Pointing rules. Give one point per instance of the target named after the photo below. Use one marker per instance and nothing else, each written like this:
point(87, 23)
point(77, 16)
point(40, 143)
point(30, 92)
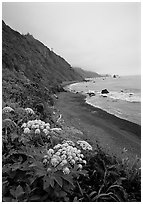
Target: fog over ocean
point(123, 99)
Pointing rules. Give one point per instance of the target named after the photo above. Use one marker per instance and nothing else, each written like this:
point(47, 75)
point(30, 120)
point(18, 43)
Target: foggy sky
point(101, 37)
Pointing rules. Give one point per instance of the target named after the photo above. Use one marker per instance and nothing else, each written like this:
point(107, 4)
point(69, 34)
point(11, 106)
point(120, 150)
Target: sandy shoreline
point(110, 104)
point(111, 132)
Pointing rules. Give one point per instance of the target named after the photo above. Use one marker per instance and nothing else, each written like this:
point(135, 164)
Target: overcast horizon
point(100, 37)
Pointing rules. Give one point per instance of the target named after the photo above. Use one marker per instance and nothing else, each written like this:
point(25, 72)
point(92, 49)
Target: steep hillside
point(29, 66)
point(85, 73)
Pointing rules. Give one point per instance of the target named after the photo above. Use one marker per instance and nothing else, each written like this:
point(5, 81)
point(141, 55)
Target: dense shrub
point(109, 179)
point(40, 164)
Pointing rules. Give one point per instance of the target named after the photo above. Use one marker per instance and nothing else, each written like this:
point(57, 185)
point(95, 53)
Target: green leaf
point(66, 199)
point(12, 192)
point(33, 165)
point(5, 185)
point(27, 189)
point(19, 191)
point(52, 181)
point(113, 173)
point(116, 186)
point(14, 136)
point(25, 166)
point(6, 168)
point(58, 179)
point(62, 194)
point(83, 172)
point(111, 167)
point(59, 167)
point(44, 197)
point(68, 178)
point(40, 172)
point(16, 166)
point(75, 199)
point(117, 198)
point(35, 198)
point(102, 195)
point(46, 183)
point(7, 199)
point(8, 123)
point(11, 152)
point(80, 189)
point(93, 193)
point(32, 179)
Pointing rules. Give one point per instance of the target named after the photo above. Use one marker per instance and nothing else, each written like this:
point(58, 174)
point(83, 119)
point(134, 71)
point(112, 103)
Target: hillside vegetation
point(28, 65)
point(43, 160)
point(85, 73)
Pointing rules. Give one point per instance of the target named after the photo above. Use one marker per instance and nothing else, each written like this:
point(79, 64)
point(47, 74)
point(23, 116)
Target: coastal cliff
point(85, 73)
point(28, 65)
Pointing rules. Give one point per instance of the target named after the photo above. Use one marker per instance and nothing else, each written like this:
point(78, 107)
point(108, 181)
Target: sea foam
point(123, 99)
point(129, 97)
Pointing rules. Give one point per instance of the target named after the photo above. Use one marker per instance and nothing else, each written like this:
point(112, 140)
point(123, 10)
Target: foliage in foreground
point(40, 164)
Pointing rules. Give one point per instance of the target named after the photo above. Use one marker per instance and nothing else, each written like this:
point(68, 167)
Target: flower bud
point(81, 155)
point(76, 158)
point(44, 161)
point(57, 153)
point(54, 161)
point(70, 158)
point(37, 126)
point(63, 152)
point(23, 125)
point(79, 166)
point(74, 155)
point(50, 151)
point(41, 127)
point(45, 156)
point(26, 130)
point(49, 169)
point(72, 161)
point(63, 157)
point(66, 170)
point(45, 131)
point(64, 162)
point(84, 162)
point(33, 127)
point(37, 131)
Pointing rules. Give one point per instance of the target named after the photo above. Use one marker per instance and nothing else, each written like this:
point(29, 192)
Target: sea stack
point(104, 91)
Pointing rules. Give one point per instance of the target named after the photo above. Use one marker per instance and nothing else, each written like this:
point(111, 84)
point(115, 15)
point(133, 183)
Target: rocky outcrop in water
point(104, 91)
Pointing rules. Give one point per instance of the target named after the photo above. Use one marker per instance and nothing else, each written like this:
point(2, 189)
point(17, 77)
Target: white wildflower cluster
point(36, 126)
point(7, 109)
point(84, 145)
point(57, 130)
point(69, 142)
point(64, 155)
point(29, 111)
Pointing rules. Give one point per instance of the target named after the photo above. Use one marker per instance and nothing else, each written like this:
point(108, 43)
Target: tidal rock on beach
point(104, 95)
point(104, 91)
point(91, 93)
point(131, 94)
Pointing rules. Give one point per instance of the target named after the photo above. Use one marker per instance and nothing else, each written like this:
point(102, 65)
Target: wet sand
point(112, 133)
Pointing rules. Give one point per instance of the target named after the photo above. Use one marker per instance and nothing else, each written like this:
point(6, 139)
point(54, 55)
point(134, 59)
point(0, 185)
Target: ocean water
point(123, 99)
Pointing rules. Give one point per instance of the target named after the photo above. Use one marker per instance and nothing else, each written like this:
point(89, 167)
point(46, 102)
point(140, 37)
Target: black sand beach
point(112, 133)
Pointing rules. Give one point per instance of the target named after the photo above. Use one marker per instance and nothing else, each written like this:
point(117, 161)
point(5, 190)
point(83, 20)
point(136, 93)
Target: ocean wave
point(129, 97)
point(122, 100)
point(116, 112)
